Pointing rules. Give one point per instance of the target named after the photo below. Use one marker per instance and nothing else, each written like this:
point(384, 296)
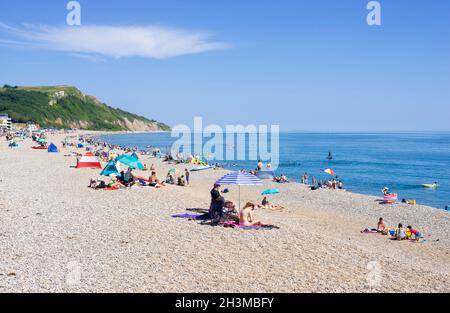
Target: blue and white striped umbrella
point(241, 179)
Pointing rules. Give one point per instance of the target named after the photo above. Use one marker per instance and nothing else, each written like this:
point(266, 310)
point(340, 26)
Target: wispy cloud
point(112, 41)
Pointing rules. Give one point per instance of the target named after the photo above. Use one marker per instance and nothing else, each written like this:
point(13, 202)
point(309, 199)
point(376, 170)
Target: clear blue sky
point(305, 65)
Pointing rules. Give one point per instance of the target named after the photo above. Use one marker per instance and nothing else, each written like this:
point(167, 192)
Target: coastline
point(229, 168)
point(127, 240)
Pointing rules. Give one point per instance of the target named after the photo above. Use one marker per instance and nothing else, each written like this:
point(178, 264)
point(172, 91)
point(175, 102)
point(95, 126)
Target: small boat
point(201, 168)
point(435, 185)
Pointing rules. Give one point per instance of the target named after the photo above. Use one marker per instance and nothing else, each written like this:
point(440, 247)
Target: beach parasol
point(112, 168)
point(270, 192)
point(240, 179)
point(329, 171)
point(131, 161)
point(172, 170)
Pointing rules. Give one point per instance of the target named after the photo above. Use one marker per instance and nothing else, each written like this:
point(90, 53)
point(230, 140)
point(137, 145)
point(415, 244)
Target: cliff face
point(68, 107)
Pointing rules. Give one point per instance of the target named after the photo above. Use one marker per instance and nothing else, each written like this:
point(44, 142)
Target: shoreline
point(125, 241)
point(294, 182)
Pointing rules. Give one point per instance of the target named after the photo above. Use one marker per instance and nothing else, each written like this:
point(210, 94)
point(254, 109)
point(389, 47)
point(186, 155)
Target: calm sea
point(365, 162)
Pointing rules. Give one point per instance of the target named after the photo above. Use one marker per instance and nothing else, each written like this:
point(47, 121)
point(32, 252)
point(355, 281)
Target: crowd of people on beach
point(396, 233)
point(221, 211)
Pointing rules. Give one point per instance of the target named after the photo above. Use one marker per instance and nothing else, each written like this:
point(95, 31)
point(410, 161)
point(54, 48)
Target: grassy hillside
point(67, 107)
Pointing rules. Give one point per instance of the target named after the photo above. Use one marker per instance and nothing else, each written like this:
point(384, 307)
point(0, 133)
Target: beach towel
point(369, 231)
point(112, 188)
point(192, 216)
point(255, 227)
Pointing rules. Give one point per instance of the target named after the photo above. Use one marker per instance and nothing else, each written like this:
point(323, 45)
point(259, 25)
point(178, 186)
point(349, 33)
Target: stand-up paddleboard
point(430, 185)
point(201, 168)
point(330, 157)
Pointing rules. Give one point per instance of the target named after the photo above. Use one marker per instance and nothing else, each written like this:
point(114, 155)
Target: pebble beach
point(58, 235)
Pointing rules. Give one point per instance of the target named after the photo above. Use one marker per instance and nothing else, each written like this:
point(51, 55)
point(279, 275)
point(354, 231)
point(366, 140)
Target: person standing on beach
point(259, 166)
point(187, 174)
point(313, 181)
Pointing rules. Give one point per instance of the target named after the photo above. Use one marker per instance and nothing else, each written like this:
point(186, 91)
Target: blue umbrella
point(131, 161)
point(270, 192)
point(240, 179)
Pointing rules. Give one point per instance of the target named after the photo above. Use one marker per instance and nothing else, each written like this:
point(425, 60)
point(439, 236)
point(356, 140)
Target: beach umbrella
point(329, 171)
point(134, 156)
point(131, 161)
point(111, 169)
point(240, 179)
point(172, 170)
point(270, 192)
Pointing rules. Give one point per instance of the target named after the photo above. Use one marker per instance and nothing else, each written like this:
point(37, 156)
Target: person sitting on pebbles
point(381, 227)
point(246, 217)
point(230, 212)
point(170, 179)
point(413, 234)
point(400, 232)
point(181, 181)
point(153, 180)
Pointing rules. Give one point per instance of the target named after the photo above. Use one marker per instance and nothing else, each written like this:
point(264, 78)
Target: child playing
point(400, 233)
point(410, 232)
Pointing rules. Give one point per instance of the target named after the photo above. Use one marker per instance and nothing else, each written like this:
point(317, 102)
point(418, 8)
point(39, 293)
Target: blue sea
point(365, 162)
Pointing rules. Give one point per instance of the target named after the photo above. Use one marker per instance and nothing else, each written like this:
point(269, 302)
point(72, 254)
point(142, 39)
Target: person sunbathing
point(114, 183)
point(96, 184)
point(246, 217)
point(265, 204)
